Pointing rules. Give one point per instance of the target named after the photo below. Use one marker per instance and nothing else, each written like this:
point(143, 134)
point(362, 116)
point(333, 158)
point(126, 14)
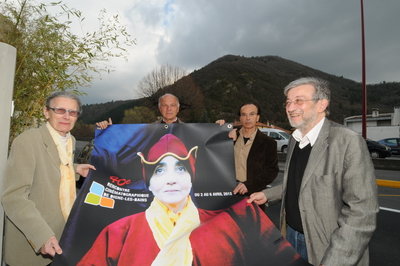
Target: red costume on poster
point(174, 231)
point(225, 237)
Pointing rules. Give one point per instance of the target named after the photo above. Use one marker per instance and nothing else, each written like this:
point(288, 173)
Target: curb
point(382, 164)
point(388, 183)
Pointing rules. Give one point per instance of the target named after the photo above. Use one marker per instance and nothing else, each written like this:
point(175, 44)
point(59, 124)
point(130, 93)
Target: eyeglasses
point(62, 111)
point(297, 102)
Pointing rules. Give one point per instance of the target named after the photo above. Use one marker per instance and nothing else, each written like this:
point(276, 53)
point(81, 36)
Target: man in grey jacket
point(329, 201)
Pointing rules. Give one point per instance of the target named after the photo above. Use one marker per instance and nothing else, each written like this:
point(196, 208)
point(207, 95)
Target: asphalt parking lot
point(385, 243)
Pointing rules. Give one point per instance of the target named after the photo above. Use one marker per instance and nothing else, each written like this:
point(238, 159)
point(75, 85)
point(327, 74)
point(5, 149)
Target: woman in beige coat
point(39, 184)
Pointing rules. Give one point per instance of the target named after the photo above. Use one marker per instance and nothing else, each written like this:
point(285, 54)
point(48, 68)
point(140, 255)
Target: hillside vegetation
point(219, 88)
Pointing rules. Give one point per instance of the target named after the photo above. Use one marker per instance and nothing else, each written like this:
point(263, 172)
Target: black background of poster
point(114, 154)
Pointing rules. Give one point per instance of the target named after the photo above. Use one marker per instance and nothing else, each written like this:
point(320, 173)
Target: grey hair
point(321, 87)
point(64, 94)
point(167, 94)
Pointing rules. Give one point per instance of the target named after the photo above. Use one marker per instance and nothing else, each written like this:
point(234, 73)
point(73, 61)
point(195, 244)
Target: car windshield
point(391, 141)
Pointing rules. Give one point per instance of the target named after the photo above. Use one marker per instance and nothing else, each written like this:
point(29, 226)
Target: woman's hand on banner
point(51, 247)
point(83, 169)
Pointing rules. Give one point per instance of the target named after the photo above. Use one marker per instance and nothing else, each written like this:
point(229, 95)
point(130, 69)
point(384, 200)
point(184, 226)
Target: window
point(274, 135)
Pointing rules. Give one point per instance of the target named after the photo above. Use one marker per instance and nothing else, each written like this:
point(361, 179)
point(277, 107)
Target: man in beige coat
point(329, 201)
point(35, 203)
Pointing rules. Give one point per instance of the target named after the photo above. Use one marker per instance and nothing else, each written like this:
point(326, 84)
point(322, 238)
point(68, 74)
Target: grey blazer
point(31, 197)
point(338, 198)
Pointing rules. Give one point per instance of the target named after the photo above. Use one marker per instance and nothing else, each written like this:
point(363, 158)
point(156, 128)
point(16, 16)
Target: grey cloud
point(322, 34)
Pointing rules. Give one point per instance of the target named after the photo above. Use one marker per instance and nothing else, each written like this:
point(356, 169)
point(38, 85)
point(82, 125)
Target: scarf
point(67, 192)
point(171, 232)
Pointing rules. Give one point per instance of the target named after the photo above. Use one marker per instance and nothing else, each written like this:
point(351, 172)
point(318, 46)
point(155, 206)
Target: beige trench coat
point(31, 197)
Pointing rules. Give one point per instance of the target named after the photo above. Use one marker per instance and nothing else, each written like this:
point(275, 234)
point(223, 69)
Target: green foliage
point(115, 110)
point(84, 131)
point(384, 96)
point(139, 114)
point(50, 57)
point(217, 90)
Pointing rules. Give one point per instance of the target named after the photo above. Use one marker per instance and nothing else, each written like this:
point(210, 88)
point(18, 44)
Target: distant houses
point(379, 126)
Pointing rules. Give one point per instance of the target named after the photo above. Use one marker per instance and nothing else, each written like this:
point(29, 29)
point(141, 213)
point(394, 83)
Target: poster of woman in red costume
point(162, 195)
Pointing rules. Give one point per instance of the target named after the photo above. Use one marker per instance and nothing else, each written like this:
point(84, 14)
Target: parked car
point(378, 150)
point(280, 136)
point(393, 143)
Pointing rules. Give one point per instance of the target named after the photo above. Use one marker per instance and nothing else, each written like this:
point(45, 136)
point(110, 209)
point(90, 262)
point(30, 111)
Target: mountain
point(219, 88)
point(93, 113)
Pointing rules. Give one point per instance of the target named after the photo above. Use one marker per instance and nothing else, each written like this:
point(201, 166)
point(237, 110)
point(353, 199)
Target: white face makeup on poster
point(171, 183)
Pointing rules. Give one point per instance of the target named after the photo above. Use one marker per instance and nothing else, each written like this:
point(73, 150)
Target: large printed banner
point(162, 195)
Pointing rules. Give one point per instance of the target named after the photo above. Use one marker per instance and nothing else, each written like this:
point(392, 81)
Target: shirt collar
point(252, 136)
point(175, 120)
point(310, 137)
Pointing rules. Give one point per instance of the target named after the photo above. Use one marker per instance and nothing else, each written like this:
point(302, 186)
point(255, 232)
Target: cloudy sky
point(322, 34)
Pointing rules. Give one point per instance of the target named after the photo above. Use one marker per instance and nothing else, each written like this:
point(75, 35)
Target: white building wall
point(354, 126)
point(374, 131)
point(396, 117)
point(378, 133)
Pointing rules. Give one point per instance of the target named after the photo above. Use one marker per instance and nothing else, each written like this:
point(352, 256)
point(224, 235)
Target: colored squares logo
point(95, 196)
